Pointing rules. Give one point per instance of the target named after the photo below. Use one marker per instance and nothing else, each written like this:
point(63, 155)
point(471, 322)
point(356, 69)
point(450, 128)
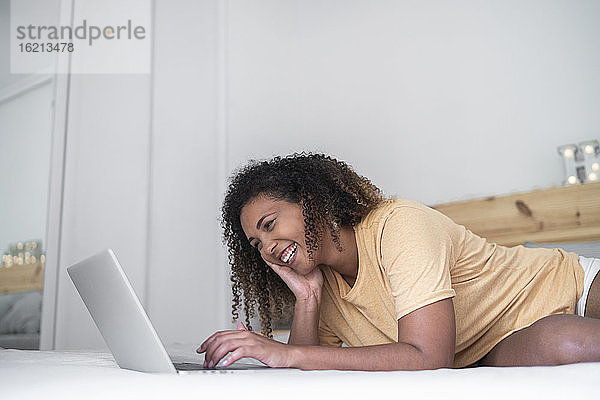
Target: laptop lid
point(118, 314)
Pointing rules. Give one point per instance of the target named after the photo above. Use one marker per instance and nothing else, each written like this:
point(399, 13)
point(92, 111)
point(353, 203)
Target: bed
point(567, 215)
point(88, 375)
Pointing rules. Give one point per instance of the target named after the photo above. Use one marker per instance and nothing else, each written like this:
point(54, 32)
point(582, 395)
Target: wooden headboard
point(562, 214)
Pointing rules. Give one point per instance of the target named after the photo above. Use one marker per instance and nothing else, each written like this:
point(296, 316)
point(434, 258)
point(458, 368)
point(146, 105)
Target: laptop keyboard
point(184, 366)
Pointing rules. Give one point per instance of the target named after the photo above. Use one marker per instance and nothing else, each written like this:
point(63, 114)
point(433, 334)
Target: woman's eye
point(267, 226)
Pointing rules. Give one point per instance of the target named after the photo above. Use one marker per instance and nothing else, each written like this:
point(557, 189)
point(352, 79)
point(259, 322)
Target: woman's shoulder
point(389, 207)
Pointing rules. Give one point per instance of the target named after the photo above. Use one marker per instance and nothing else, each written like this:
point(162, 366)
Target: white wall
point(432, 100)
point(186, 267)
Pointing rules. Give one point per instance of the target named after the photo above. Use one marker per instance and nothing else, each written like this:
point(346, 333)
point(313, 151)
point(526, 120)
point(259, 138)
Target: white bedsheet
point(43, 375)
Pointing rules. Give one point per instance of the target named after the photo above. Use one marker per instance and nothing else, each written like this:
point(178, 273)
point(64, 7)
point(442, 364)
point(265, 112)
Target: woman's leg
point(552, 340)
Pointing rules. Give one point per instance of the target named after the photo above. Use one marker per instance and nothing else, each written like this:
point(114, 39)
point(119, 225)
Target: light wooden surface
point(21, 278)
point(562, 214)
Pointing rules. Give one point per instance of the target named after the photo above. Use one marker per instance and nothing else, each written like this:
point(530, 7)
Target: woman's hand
point(306, 288)
point(243, 343)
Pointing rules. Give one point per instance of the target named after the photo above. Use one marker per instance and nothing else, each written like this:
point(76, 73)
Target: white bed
point(49, 375)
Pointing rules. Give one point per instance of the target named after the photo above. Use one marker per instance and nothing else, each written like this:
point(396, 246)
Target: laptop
point(123, 322)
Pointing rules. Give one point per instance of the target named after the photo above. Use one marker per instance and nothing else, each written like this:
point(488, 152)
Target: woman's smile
point(289, 254)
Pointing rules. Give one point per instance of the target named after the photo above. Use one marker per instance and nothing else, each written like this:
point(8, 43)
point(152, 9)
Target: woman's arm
point(426, 340)
point(382, 357)
point(305, 325)
point(307, 290)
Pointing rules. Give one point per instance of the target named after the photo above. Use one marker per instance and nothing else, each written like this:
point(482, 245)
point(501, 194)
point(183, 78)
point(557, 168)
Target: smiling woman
point(301, 219)
point(401, 284)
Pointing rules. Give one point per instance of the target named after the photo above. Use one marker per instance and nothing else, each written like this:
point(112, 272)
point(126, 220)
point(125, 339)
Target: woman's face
point(276, 229)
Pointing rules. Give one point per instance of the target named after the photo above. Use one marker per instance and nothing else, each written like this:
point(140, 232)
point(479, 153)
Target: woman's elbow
point(442, 362)
point(437, 360)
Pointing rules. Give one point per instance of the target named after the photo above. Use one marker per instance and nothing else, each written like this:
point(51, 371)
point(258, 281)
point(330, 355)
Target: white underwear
point(591, 266)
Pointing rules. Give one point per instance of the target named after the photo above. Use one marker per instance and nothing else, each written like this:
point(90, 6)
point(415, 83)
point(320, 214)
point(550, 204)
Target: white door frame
point(56, 188)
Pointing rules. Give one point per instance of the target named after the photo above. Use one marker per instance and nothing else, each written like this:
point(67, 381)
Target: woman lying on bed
point(401, 284)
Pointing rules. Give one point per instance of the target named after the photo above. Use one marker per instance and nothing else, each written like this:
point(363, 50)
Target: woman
point(399, 283)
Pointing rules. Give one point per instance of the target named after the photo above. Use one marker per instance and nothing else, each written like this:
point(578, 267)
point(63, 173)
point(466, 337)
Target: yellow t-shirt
point(411, 255)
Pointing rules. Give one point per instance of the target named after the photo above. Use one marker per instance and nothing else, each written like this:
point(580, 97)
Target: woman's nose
point(270, 248)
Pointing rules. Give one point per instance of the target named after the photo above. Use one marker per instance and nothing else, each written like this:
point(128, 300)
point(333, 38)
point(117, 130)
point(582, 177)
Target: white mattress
point(28, 374)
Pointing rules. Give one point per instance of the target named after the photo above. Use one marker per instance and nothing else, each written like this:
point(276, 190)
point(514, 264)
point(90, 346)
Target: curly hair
point(331, 195)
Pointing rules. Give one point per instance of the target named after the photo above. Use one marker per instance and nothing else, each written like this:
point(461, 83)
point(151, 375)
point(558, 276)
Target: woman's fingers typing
point(214, 355)
point(218, 341)
point(233, 357)
point(243, 343)
point(212, 338)
point(202, 348)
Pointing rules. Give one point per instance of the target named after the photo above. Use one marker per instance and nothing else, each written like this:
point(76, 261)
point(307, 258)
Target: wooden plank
point(563, 214)
point(21, 278)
